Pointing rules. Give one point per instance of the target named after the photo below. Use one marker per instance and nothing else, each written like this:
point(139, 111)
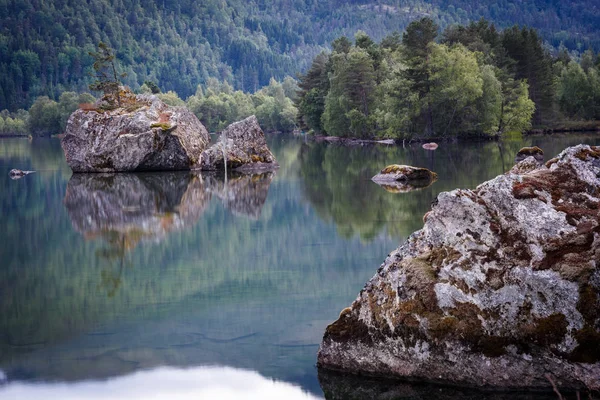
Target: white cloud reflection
point(163, 383)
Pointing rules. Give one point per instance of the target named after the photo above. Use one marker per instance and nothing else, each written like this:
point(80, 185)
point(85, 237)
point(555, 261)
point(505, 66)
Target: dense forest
point(44, 45)
point(470, 80)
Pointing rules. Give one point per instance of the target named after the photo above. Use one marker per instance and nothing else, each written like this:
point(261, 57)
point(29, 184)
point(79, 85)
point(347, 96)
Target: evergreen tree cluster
point(411, 86)
point(45, 45)
point(471, 80)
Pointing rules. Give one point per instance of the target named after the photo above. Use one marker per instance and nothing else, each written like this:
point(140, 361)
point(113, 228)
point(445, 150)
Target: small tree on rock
point(107, 79)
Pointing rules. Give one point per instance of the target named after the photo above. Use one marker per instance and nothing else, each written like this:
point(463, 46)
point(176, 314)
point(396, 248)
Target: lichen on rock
point(404, 178)
point(500, 287)
point(143, 134)
point(244, 147)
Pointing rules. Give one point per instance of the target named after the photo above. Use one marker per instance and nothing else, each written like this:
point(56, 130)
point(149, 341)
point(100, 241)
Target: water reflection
point(164, 383)
point(341, 386)
point(246, 273)
point(125, 209)
point(403, 187)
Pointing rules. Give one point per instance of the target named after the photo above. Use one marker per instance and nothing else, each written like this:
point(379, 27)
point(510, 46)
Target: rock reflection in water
point(405, 187)
point(134, 207)
point(124, 209)
point(128, 208)
point(241, 194)
point(338, 385)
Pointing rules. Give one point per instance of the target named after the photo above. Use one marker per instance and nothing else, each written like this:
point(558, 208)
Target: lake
point(183, 285)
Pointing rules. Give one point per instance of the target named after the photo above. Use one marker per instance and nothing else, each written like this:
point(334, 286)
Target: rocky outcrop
point(404, 178)
point(144, 134)
point(500, 288)
point(244, 146)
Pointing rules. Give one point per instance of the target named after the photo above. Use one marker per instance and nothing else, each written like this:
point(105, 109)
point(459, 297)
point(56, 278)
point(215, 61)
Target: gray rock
point(415, 176)
point(499, 289)
point(245, 147)
point(18, 174)
point(143, 135)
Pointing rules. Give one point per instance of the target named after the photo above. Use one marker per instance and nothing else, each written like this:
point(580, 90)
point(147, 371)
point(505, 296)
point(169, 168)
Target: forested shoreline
point(464, 81)
point(469, 81)
point(45, 45)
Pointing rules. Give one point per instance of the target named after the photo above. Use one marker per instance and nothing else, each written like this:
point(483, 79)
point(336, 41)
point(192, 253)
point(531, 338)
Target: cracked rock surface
point(144, 134)
point(500, 288)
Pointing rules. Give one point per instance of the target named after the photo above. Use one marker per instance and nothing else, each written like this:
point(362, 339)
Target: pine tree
point(107, 79)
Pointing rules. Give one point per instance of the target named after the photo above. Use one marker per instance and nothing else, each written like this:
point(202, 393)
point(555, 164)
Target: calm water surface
point(176, 285)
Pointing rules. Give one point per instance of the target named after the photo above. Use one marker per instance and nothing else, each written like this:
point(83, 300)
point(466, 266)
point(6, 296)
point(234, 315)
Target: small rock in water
point(534, 152)
point(404, 173)
point(430, 146)
point(18, 174)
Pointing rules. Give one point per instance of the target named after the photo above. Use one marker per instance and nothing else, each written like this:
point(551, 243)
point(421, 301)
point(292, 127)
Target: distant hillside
point(44, 44)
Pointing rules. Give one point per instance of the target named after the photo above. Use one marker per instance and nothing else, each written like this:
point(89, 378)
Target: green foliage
point(477, 81)
point(220, 105)
point(171, 98)
point(44, 116)
point(105, 72)
point(351, 96)
point(314, 86)
point(178, 45)
point(14, 124)
point(579, 91)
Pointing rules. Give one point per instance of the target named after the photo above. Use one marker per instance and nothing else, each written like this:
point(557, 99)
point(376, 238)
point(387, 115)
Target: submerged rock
point(144, 134)
point(244, 145)
point(500, 288)
point(535, 152)
point(392, 174)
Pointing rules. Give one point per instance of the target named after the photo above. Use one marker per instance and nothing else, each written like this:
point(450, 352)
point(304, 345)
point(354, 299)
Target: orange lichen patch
point(164, 118)
point(87, 107)
point(524, 191)
point(257, 158)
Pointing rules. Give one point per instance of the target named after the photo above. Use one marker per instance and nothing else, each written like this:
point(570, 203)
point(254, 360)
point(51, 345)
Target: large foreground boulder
point(144, 134)
point(244, 146)
point(500, 288)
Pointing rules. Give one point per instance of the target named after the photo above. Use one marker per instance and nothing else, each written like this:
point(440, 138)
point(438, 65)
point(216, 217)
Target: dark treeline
point(45, 45)
point(470, 80)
